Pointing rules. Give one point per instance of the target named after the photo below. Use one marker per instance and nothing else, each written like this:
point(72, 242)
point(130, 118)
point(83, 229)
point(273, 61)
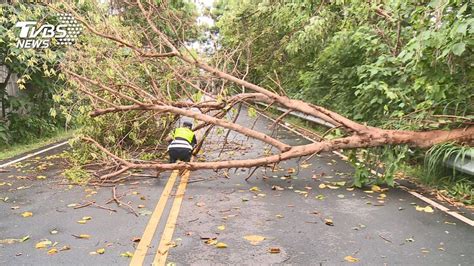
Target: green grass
point(15, 150)
point(437, 155)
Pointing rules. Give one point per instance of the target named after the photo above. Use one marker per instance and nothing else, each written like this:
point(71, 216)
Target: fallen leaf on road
point(340, 196)
point(9, 241)
point(351, 259)
point(172, 244)
point(41, 177)
point(304, 193)
point(64, 248)
point(277, 188)
point(279, 216)
point(255, 189)
point(144, 212)
point(82, 222)
point(27, 214)
point(322, 186)
point(43, 244)
point(82, 236)
point(274, 250)
point(87, 218)
point(305, 165)
point(332, 187)
point(100, 251)
point(427, 209)
point(319, 197)
point(291, 170)
point(52, 251)
point(15, 207)
point(221, 227)
point(72, 205)
point(141, 206)
point(201, 204)
point(14, 240)
point(329, 222)
point(221, 245)
point(340, 183)
point(127, 254)
point(211, 241)
point(136, 239)
point(254, 239)
point(376, 188)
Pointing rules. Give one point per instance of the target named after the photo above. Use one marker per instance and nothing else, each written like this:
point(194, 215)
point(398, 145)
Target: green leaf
point(52, 112)
point(252, 112)
point(462, 9)
point(458, 48)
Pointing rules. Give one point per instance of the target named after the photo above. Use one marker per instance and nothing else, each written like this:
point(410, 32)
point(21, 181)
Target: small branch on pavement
point(120, 203)
point(196, 180)
point(255, 169)
point(388, 240)
point(85, 205)
point(103, 207)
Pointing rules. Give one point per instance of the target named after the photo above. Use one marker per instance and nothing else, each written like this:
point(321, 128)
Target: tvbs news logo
point(33, 35)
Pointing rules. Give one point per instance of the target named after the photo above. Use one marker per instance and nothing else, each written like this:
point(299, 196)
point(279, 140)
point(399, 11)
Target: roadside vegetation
point(38, 111)
point(393, 64)
point(17, 149)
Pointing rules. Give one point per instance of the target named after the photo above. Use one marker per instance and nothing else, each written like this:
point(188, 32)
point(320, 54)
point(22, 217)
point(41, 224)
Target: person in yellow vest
point(183, 143)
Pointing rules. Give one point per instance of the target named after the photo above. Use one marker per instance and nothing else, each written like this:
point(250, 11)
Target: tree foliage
point(392, 64)
point(135, 134)
point(35, 112)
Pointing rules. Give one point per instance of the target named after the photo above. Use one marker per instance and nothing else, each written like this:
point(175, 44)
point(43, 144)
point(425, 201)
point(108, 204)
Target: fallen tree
point(155, 49)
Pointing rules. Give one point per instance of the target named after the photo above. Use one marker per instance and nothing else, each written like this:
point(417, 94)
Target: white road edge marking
point(419, 196)
point(442, 208)
point(33, 154)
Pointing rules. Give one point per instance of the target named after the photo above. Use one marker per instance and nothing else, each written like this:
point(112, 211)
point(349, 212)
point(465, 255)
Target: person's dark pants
point(181, 154)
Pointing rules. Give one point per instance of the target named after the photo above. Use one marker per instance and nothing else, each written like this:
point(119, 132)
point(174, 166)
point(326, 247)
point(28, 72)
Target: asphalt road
point(279, 216)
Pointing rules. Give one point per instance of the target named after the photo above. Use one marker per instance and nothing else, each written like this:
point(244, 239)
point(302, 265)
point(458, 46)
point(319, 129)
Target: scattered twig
point(105, 208)
point(120, 203)
point(196, 180)
point(144, 175)
point(85, 205)
point(381, 236)
point(255, 169)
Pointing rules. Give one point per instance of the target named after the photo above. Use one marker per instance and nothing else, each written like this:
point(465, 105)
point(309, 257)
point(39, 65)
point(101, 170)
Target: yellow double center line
point(162, 252)
point(143, 245)
point(163, 247)
point(166, 237)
